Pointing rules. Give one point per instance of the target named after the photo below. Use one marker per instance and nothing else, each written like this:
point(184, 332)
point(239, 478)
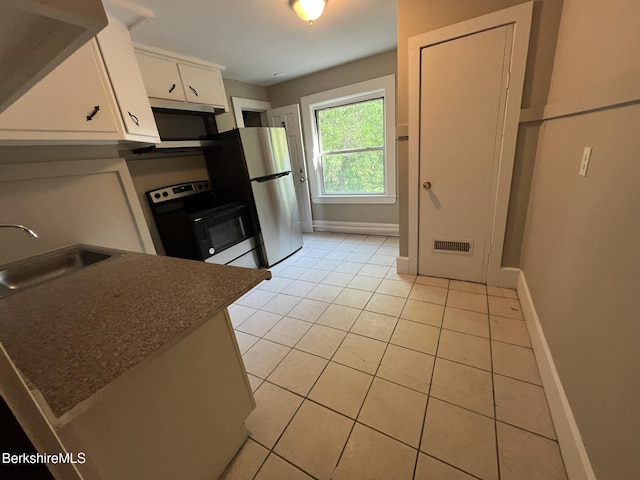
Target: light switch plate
point(584, 163)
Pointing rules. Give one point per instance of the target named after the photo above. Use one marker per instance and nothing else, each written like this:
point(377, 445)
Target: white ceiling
point(255, 39)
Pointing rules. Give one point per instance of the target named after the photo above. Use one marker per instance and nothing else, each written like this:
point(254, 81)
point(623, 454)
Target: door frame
point(247, 104)
point(520, 17)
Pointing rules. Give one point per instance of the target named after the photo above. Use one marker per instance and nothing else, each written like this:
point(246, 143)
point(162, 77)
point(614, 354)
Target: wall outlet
point(584, 163)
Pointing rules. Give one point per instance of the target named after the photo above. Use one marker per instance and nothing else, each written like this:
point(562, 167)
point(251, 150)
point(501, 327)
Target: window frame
point(383, 87)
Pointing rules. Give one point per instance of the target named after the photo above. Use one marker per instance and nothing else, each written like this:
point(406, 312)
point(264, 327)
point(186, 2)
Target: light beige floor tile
point(416, 336)
point(281, 304)
point(428, 293)
point(461, 438)
point(314, 439)
point(324, 293)
point(288, 331)
point(383, 260)
point(342, 389)
point(262, 358)
point(467, 301)
point(370, 455)
point(387, 249)
point(275, 407)
point(523, 405)
point(464, 348)
point(312, 275)
point(338, 279)
point(433, 281)
point(247, 462)
point(429, 468)
point(385, 304)
point(292, 272)
point(468, 287)
point(393, 274)
point(466, 321)
point(337, 255)
point(245, 341)
point(364, 282)
point(239, 313)
point(255, 298)
point(320, 340)
point(505, 307)
point(525, 456)
point(300, 288)
point(374, 240)
point(276, 284)
point(259, 323)
point(359, 257)
point(254, 381)
point(360, 352)
point(514, 361)
point(462, 385)
point(407, 367)
point(339, 316)
point(349, 267)
point(308, 310)
point(351, 297)
point(394, 410)
point(298, 371)
point(509, 331)
point(378, 271)
point(395, 288)
point(276, 468)
point(502, 292)
point(423, 312)
point(375, 325)
point(326, 264)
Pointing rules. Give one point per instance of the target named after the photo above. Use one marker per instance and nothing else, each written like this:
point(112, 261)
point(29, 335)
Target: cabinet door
point(126, 81)
point(202, 85)
point(73, 102)
point(161, 77)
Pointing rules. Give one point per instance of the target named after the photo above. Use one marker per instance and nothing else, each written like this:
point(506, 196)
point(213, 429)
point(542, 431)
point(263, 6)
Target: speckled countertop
point(74, 335)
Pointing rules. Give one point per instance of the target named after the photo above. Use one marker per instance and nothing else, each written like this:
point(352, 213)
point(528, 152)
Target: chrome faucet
point(26, 230)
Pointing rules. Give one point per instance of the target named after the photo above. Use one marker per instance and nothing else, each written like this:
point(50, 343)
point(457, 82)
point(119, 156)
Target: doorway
point(465, 89)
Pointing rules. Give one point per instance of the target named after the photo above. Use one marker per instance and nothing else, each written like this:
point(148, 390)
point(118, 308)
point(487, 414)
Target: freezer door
point(278, 217)
point(265, 151)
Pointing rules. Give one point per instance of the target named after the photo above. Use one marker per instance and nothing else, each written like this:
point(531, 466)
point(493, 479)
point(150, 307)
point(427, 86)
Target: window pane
point(353, 173)
point(358, 125)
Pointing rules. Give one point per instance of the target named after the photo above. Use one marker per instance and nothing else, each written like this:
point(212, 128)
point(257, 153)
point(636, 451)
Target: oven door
point(221, 228)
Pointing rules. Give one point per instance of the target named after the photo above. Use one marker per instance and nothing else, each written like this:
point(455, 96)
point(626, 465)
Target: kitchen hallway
point(361, 373)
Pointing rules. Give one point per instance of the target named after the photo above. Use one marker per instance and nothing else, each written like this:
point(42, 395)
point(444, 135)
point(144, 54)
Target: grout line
point(493, 391)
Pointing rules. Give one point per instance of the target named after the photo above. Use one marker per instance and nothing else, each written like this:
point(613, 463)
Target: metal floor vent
point(457, 247)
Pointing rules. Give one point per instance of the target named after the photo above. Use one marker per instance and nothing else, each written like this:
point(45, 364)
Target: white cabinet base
point(179, 414)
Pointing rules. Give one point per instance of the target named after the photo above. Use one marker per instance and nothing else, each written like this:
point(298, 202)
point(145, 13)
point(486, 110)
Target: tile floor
point(361, 373)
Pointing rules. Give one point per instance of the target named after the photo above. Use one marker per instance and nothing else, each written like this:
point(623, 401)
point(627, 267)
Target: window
point(349, 131)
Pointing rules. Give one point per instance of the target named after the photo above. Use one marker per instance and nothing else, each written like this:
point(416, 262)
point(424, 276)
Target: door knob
point(426, 185)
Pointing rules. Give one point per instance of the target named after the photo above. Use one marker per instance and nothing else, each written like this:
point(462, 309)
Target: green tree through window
point(351, 139)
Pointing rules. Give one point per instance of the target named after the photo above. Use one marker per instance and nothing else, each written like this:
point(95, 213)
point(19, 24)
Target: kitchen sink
point(42, 268)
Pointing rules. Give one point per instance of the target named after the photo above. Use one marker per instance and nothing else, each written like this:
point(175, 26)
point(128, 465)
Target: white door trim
point(520, 17)
point(240, 104)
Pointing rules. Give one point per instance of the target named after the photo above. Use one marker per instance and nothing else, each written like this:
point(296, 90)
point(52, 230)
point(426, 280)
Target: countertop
point(74, 335)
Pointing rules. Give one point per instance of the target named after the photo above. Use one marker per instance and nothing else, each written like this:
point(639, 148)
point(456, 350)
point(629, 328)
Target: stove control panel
point(173, 192)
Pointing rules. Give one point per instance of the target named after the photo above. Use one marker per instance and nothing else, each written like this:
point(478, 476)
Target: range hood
point(175, 146)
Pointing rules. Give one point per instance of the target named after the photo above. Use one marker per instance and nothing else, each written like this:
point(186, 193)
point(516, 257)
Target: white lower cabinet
point(95, 95)
point(178, 414)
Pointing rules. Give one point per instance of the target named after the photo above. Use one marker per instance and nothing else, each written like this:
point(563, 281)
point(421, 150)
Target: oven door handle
point(220, 213)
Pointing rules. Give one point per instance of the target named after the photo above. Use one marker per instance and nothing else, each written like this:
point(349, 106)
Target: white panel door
point(463, 91)
point(289, 118)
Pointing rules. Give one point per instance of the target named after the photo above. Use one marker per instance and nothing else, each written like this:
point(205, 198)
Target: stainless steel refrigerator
point(254, 163)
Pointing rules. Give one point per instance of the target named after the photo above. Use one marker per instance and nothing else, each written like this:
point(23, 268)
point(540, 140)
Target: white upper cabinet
point(95, 95)
point(168, 76)
point(38, 35)
point(161, 77)
point(126, 81)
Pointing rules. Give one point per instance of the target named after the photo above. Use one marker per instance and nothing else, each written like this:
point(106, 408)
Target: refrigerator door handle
point(270, 177)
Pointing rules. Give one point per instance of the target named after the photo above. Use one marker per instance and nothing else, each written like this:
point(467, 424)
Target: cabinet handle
point(134, 118)
point(96, 109)
point(194, 90)
point(172, 88)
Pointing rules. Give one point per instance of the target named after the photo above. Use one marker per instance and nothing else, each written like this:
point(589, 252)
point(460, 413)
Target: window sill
point(355, 199)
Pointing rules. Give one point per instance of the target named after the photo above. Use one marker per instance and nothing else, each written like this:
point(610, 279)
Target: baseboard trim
point(402, 265)
point(574, 454)
point(387, 229)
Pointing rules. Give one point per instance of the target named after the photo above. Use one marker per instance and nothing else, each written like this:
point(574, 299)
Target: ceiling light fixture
point(308, 10)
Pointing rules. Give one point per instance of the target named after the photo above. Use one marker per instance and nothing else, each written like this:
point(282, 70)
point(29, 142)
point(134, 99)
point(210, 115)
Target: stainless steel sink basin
point(42, 268)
